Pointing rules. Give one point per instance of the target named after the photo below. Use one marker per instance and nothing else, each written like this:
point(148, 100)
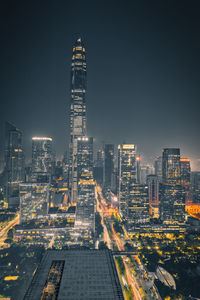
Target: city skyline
point(102, 213)
point(151, 67)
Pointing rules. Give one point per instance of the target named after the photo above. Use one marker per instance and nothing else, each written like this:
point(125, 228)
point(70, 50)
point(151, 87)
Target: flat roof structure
point(76, 275)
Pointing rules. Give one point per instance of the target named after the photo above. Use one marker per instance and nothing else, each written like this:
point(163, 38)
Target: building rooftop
point(74, 275)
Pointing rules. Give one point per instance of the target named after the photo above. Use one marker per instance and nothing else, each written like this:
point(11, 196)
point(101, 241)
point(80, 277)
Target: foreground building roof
point(76, 275)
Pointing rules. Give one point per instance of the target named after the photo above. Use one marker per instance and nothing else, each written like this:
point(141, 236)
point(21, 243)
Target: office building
point(85, 214)
point(153, 194)
point(138, 160)
point(138, 205)
point(195, 187)
point(77, 113)
point(98, 167)
point(127, 170)
point(158, 167)
point(76, 274)
point(108, 165)
point(186, 178)
point(84, 155)
point(173, 204)
point(171, 167)
point(173, 197)
point(14, 167)
point(42, 159)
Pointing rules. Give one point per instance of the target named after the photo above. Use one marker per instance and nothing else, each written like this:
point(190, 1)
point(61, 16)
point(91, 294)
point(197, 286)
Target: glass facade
point(14, 157)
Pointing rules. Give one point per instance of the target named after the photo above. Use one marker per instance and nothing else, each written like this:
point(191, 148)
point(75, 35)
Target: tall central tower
point(77, 111)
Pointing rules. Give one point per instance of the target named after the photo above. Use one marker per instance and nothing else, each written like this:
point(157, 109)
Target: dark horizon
point(142, 72)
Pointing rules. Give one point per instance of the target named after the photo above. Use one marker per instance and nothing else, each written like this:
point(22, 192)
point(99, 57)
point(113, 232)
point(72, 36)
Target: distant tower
point(42, 159)
point(138, 159)
point(185, 172)
point(127, 170)
point(195, 182)
point(98, 167)
point(158, 167)
point(153, 193)
point(171, 168)
point(108, 165)
point(85, 215)
point(14, 157)
point(186, 178)
point(77, 111)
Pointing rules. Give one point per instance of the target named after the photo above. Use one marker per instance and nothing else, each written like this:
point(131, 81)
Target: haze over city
point(142, 70)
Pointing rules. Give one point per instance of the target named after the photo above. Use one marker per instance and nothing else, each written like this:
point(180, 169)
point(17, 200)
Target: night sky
point(143, 64)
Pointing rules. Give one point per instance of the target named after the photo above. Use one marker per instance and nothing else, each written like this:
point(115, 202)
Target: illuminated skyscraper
point(171, 168)
point(85, 215)
point(186, 178)
point(84, 155)
point(138, 160)
point(173, 204)
point(153, 193)
point(173, 199)
point(42, 158)
point(77, 110)
point(108, 165)
point(158, 167)
point(185, 172)
point(14, 157)
point(138, 204)
point(195, 183)
point(127, 170)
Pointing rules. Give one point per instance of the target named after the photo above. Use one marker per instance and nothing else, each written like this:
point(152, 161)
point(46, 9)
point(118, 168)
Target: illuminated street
point(4, 231)
point(134, 281)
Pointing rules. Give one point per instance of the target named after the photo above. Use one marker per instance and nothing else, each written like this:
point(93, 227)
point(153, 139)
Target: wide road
point(101, 207)
point(4, 231)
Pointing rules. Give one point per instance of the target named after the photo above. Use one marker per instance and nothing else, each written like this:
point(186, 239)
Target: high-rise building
point(186, 178)
point(14, 168)
point(84, 155)
point(173, 204)
point(153, 193)
point(138, 204)
point(195, 187)
point(34, 198)
point(173, 196)
point(158, 167)
point(98, 167)
point(185, 172)
point(108, 165)
point(138, 159)
point(171, 168)
point(85, 215)
point(77, 111)
point(42, 158)
point(127, 170)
